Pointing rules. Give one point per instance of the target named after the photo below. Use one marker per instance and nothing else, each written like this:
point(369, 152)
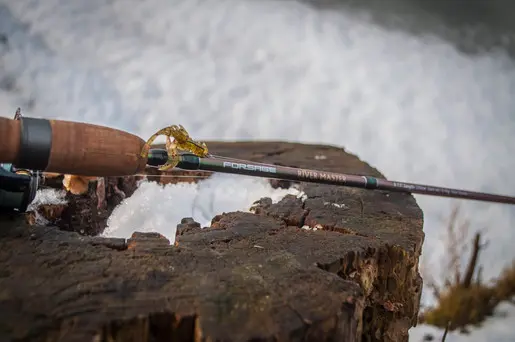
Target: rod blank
point(243, 167)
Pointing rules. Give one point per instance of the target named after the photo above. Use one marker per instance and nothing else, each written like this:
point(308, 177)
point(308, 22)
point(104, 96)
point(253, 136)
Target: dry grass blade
point(446, 331)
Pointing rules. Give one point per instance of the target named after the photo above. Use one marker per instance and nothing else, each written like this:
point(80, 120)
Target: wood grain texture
point(268, 276)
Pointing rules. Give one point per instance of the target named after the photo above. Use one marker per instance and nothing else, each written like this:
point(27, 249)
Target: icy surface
point(46, 196)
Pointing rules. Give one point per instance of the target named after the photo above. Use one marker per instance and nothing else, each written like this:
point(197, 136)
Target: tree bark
point(340, 264)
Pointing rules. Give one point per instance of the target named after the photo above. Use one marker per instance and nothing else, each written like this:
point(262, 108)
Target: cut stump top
point(340, 264)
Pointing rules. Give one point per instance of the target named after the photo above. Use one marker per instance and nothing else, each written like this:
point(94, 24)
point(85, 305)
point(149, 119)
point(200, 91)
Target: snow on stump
point(340, 264)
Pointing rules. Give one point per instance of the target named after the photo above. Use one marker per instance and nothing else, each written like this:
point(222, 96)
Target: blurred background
point(422, 90)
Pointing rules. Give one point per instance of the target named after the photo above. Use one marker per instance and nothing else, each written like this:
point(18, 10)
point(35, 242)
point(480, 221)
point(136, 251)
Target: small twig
point(446, 331)
point(469, 274)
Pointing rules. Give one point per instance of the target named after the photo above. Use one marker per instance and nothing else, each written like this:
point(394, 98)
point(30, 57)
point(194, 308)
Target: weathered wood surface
point(250, 277)
point(86, 214)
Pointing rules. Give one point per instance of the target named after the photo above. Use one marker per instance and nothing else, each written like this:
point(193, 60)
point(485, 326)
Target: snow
point(158, 208)
point(413, 106)
point(46, 196)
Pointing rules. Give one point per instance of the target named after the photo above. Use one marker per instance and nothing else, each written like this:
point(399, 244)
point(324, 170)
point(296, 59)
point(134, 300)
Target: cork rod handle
point(9, 139)
point(70, 147)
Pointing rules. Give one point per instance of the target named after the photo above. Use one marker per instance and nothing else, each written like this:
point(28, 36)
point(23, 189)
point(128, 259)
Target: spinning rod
point(190, 161)
point(82, 149)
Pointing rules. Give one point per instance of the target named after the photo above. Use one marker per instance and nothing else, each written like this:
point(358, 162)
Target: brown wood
point(80, 148)
point(91, 150)
point(9, 139)
point(250, 277)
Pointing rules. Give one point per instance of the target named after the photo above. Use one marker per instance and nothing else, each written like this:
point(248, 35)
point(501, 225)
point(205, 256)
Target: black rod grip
point(35, 144)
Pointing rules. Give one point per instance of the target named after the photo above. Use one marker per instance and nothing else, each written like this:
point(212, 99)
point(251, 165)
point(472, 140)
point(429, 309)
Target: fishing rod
point(189, 161)
point(82, 149)
point(198, 158)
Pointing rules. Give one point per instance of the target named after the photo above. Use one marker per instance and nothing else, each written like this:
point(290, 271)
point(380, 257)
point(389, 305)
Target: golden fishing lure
point(182, 141)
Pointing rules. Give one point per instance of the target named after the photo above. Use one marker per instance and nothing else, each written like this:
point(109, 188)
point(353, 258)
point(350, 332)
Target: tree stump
point(340, 264)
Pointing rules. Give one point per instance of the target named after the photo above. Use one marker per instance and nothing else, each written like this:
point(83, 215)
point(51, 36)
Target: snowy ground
point(158, 209)
point(414, 107)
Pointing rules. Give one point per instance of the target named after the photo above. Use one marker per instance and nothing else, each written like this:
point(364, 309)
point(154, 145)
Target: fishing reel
point(18, 188)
